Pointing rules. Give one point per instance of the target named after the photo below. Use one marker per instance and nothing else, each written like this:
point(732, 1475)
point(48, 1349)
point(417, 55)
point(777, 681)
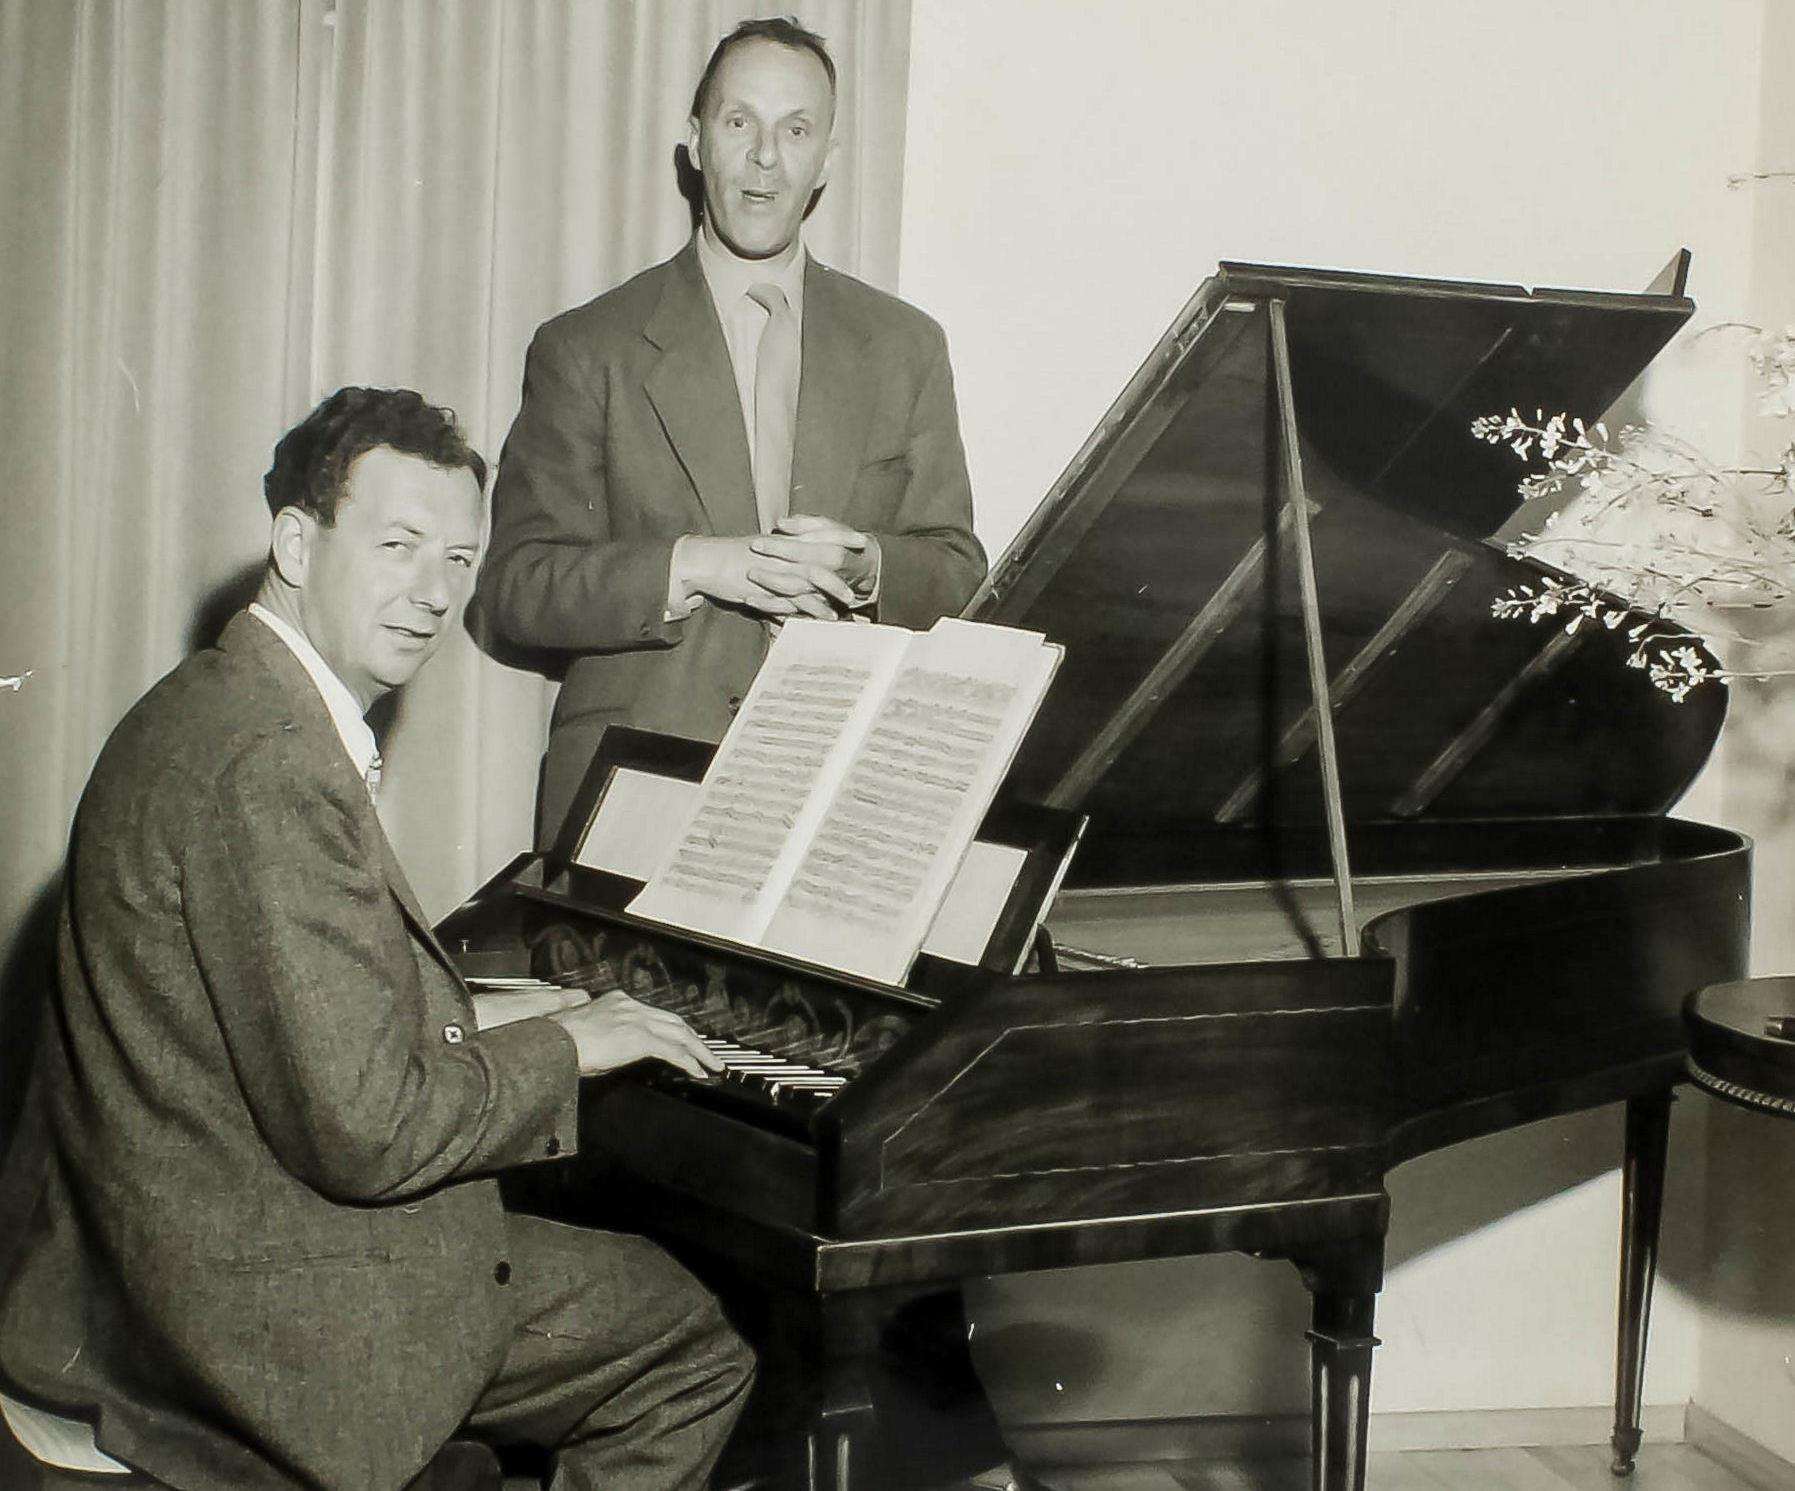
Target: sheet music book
point(844, 797)
point(626, 836)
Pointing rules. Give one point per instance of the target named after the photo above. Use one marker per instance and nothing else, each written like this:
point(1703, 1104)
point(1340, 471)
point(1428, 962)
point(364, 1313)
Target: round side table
point(1742, 1042)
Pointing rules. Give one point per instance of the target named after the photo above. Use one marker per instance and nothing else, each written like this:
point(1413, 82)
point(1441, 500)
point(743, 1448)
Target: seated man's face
point(390, 576)
point(762, 145)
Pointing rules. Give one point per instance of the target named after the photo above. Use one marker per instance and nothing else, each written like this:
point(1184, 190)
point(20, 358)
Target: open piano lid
point(1183, 705)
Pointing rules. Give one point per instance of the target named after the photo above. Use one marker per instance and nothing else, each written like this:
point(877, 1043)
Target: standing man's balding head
point(761, 135)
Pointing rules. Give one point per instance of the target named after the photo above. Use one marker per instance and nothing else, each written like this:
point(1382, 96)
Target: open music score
point(840, 805)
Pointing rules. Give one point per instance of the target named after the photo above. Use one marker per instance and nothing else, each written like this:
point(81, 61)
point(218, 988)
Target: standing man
point(737, 435)
point(262, 1247)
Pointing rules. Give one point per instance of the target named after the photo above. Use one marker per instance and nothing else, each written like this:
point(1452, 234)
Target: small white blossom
point(1551, 437)
point(1774, 358)
point(1677, 670)
point(1778, 399)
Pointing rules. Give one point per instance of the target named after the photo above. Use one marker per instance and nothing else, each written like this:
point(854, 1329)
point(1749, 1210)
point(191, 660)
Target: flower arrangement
point(1661, 540)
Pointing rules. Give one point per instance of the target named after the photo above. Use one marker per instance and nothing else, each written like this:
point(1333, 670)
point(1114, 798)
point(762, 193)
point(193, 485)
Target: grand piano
point(1366, 873)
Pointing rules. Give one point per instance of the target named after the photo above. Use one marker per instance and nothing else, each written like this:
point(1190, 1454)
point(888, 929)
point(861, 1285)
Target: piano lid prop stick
point(1416, 606)
point(1298, 501)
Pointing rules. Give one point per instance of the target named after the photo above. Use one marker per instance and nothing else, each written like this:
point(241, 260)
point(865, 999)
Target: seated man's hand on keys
point(614, 1030)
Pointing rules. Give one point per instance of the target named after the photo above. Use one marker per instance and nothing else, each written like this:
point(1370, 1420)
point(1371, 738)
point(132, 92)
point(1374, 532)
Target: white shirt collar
point(345, 709)
point(730, 278)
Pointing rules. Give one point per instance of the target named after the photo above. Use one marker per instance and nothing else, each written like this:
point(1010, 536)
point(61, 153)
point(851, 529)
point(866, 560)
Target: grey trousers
point(621, 1364)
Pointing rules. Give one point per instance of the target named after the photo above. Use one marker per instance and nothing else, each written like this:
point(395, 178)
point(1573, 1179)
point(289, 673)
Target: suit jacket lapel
point(246, 636)
point(693, 392)
point(835, 399)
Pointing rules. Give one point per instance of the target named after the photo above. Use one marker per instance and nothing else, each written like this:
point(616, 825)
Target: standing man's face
point(762, 145)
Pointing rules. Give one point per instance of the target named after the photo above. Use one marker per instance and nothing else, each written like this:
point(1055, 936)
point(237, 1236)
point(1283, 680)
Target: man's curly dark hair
point(312, 460)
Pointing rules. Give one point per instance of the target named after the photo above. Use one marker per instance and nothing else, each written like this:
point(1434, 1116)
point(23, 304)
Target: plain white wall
point(1073, 171)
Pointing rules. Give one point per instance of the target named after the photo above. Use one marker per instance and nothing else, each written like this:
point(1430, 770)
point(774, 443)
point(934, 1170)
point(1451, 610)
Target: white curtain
point(147, 163)
point(217, 211)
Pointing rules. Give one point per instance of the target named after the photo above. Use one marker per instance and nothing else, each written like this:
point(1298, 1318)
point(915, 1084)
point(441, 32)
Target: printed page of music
point(869, 885)
point(770, 781)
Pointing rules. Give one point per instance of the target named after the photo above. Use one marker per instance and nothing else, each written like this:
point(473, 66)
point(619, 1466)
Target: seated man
point(264, 1247)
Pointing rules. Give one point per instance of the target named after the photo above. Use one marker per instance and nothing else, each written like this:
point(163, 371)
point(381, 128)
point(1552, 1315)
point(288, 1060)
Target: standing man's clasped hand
point(808, 566)
point(847, 553)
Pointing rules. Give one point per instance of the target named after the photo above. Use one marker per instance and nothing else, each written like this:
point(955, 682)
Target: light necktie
point(372, 778)
point(776, 369)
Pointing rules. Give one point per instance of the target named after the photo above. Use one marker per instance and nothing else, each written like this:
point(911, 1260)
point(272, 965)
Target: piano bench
point(1742, 1042)
point(62, 1452)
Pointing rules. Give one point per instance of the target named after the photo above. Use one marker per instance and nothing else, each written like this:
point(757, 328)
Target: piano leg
point(844, 1414)
point(869, 1390)
point(1642, 1204)
point(1344, 1286)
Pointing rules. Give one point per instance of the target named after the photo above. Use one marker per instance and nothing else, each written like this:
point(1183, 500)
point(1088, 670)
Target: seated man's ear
point(290, 549)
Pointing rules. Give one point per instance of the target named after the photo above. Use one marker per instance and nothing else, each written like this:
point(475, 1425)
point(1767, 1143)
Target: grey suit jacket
point(262, 1242)
point(630, 435)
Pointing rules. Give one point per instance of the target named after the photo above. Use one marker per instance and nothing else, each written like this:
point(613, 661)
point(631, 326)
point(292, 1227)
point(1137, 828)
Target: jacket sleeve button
point(552, 1146)
point(454, 1034)
point(502, 1272)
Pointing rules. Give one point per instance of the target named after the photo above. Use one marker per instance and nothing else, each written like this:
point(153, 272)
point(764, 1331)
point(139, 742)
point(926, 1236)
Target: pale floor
point(1661, 1467)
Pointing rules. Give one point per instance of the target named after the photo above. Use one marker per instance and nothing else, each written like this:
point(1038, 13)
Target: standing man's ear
point(291, 547)
point(692, 143)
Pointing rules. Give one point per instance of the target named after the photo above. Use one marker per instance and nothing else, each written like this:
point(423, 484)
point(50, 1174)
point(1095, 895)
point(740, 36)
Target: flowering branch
point(1656, 537)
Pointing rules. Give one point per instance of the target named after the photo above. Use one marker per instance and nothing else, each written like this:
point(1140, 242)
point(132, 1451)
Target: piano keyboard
point(775, 1076)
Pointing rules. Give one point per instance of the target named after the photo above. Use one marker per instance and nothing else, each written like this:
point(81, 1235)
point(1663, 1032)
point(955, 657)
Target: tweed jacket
point(630, 434)
point(263, 1245)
